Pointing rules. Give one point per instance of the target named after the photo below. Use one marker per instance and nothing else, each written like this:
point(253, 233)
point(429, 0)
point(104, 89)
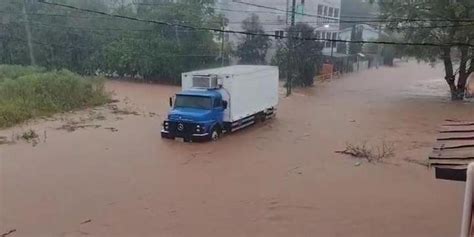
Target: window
point(196, 102)
point(334, 35)
point(325, 11)
point(331, 11)
point(279, 34)
point(302, 2)
point(328, 36)
point(217, 103)
point(320, 10)
point(318, 34)
point(336, 12)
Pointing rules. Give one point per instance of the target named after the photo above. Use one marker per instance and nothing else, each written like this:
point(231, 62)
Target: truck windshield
point(197, 102)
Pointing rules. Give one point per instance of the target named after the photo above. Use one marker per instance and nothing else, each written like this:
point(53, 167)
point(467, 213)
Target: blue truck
point(221, 100)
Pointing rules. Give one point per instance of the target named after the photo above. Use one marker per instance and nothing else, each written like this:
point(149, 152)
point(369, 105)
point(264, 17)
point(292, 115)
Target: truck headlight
point(200, 128)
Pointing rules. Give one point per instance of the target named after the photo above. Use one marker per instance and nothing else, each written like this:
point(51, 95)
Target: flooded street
point(117, 177)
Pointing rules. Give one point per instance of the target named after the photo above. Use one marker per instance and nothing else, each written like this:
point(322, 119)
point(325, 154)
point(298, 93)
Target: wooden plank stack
point(454, 150)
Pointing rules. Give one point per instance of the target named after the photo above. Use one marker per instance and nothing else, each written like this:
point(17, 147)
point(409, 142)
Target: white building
point(275, 16)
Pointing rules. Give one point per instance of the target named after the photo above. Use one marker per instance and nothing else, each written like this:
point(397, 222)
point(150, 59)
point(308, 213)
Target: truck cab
point(196, 114)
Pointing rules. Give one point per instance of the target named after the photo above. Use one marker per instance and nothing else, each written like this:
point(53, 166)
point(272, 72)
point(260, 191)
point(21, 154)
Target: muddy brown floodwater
point(106, 171)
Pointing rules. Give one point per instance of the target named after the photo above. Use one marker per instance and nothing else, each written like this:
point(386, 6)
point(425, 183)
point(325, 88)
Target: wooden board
point(462, 153)
point(454, 150)
point(450, 162)
point(454, 167)
point(456, 136)
point(456, 129)
point(453, 144)
point(458, 123)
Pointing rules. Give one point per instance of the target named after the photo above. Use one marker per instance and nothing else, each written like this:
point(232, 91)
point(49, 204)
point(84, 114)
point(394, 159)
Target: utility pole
point(28, 33)
point(289, 79)
point(177, 36)
point(379, 50)
point(222, 42)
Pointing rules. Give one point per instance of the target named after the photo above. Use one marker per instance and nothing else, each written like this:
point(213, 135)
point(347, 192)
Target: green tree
point(305, 57)
point(253, 49)
point(60, 38)
point(88, 43)
point(441, 22)
point(161, 52)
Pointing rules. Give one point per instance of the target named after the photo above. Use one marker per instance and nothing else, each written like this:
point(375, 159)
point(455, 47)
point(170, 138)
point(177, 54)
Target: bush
point(15, 71)
point(29, 92)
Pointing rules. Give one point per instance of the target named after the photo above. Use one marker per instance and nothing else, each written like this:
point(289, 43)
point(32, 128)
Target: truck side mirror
point(171, 102)
point(224, 104)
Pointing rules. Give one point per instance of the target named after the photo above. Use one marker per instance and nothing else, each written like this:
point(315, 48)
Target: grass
point(16, 71)
point(29, 92)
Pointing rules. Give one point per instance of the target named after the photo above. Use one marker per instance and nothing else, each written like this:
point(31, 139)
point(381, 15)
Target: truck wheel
point(263, 117)
point(215, 134)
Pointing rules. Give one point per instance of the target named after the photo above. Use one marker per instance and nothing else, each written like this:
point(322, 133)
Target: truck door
point(218, 110)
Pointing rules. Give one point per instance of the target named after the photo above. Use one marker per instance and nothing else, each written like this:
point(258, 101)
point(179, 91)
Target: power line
point(244, 32)
point(345, 21)
point(327, 18)
point(275, 22)
point(215, 8)
point(96, 30)
point(372, 19)
point(376, 18)
point(264, 23)
point(283, 12)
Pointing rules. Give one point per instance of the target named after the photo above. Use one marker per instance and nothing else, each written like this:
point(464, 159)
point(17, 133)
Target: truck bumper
point(191, 137)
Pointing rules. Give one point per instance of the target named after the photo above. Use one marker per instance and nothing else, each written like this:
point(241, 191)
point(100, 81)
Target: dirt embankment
point(106, 172)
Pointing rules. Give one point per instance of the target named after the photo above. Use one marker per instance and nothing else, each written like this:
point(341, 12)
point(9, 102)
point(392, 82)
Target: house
point(369, 55)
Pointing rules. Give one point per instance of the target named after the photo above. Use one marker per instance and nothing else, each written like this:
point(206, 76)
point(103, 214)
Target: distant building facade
point(369, 33)
point(275, 17)
point(356, 11)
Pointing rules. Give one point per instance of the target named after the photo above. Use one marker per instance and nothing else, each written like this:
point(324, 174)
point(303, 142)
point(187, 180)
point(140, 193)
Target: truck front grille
point(181, 129)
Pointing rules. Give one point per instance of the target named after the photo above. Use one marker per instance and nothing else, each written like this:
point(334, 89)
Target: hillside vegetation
point(29, 92)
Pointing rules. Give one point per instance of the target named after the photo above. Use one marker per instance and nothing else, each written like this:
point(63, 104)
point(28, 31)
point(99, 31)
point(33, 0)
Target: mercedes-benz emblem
point(180, 127)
